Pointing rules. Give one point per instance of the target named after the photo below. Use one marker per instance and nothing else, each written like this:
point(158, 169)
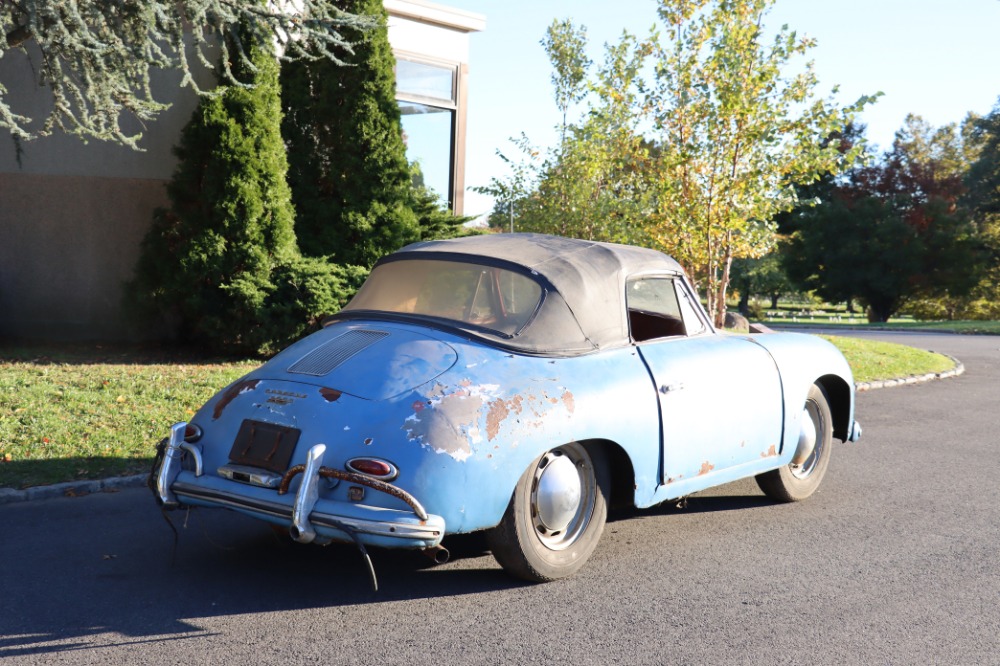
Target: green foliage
point(96, 57)
point(347, 163)
point(890, 233)
point(222, 260)
point(759, 277)
point(306, 289)
point(695, 162)
point(434, 220)
point(565, 45)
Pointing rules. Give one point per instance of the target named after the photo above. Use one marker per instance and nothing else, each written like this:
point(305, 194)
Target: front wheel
point(555, 516)
point(799, 479)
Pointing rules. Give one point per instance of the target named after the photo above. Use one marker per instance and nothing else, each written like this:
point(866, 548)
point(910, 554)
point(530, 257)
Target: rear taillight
point(192, 433)
point(377, 468)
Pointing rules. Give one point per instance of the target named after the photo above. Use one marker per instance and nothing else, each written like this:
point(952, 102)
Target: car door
point(720, 394)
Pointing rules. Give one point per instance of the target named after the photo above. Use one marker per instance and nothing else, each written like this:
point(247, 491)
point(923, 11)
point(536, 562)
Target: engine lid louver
point(325, 358)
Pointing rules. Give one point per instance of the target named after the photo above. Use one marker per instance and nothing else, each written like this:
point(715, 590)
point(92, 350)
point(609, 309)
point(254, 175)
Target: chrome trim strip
point(307, 495)
point(170, 466)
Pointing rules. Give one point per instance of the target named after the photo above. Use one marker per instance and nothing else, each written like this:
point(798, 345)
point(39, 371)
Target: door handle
point(667, 388)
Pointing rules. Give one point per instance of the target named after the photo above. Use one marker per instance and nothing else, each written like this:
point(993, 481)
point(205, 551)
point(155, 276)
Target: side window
point(654, 309)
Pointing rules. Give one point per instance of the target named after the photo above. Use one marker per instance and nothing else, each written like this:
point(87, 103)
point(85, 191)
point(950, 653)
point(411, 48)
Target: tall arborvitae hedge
point(347, 162)
point(222, 260)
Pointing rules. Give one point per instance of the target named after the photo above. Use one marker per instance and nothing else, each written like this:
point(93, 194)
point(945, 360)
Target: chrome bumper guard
point(303, 514)
point(170, 466)
point(307, 496)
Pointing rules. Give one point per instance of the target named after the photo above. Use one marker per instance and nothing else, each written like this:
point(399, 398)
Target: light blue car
point(513, 383)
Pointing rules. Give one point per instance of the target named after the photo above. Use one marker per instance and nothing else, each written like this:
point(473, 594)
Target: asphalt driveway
point(893, 561)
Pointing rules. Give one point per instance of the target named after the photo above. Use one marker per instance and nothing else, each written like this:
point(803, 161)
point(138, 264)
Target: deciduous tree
point(699, 160)
point(891, 232)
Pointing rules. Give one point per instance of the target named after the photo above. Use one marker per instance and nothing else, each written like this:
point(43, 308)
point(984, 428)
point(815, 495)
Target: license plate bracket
point(264, 445)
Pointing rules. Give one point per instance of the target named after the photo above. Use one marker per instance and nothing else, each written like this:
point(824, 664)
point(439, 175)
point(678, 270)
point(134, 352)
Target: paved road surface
point(893, 561)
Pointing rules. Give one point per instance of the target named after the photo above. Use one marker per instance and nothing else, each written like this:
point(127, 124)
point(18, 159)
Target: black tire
point(795, 482)
point(528, 548)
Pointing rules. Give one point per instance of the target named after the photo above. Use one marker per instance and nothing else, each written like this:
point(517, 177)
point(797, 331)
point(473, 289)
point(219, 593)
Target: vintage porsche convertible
point(513, 383)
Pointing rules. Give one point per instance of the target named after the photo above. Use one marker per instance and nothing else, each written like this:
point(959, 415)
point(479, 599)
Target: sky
point(939, 59)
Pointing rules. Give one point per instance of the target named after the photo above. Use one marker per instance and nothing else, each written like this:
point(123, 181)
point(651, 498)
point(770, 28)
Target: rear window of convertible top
point(484, 296)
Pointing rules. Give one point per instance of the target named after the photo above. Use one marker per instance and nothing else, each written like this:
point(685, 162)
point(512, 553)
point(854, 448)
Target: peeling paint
point(235, 390)
point(568, 400)
point(706, 467)
point(770, 453)
point(448, 423)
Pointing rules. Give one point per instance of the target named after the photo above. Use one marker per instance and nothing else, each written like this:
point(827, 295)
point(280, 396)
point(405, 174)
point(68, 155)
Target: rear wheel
point(800, 478)
point(556, 515)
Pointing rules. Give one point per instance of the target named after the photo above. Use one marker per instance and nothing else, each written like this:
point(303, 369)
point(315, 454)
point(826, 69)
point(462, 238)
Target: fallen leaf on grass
point(7, 458)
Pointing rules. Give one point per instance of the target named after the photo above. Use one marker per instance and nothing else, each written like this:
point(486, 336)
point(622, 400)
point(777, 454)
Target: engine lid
point(373, 362)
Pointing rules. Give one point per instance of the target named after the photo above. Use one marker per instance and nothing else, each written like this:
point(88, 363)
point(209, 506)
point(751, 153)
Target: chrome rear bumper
point(307, 515)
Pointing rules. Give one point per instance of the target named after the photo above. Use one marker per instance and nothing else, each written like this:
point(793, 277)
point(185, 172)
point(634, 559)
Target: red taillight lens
point(192, 433)
point(380, 469)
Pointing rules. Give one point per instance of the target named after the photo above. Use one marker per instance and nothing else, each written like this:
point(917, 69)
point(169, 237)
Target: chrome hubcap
point(807, 439)
point(810, 446)
point(562, 496)
point(558, 494)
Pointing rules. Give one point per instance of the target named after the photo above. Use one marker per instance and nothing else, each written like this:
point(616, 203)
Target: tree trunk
point(744, 306)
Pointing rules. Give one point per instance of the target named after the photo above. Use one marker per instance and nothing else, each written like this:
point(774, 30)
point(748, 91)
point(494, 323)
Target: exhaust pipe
point(437, 554)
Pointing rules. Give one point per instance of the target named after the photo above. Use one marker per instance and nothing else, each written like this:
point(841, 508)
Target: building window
point(427, 93)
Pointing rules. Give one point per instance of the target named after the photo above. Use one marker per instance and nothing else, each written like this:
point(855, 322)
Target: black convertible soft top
point(583, 308)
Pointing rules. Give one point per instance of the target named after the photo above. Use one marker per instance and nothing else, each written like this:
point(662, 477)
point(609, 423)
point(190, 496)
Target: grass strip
point(85, 412)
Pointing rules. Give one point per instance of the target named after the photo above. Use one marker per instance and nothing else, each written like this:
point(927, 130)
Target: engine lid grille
point(325, 358)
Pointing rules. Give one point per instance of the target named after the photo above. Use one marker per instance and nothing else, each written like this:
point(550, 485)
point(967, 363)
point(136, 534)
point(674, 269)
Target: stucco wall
point(67, 244)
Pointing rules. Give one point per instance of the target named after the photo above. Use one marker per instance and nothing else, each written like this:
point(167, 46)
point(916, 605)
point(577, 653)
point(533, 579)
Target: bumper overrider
point(308, 516)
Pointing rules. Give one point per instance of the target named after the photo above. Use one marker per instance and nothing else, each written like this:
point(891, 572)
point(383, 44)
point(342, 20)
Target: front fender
point(804, 360)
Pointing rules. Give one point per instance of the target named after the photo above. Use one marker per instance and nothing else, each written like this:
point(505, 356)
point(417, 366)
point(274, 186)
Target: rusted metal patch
point(499, 411)
point(770, 453)
point(706, 467)
point(235, 390)
point(330, 395)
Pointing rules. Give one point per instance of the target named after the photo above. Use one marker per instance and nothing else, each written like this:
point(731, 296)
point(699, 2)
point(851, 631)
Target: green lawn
point(86, 412)
point(871, 360)
point(828, 316)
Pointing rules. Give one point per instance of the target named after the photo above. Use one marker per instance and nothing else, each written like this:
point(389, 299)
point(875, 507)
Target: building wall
point(67, 245)
point(73, 215)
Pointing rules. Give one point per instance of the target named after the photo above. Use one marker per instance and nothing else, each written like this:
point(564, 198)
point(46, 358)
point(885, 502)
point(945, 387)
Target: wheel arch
point(840, 397)
point(620, 469)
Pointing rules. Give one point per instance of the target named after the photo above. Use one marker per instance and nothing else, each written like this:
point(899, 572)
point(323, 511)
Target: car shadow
point(694, 504)
point(134, 586)
point(125, 580)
